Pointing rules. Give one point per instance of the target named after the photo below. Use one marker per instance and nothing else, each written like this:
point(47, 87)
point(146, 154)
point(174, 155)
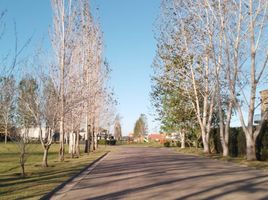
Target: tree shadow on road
point(172, 174)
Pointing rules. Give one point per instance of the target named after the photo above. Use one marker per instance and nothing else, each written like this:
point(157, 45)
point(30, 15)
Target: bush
point(101, 142)
point(178, 144)
point(111, 142)
point(108, 142)
point(237, 143)
point(167, 144)
point(264, 154)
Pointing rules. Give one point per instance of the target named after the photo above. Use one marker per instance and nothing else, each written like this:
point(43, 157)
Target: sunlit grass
point(238, 160)
point(38, 180)
point(144, 144)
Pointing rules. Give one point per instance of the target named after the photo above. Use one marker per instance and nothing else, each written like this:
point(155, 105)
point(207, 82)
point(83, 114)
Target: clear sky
point(129, 45)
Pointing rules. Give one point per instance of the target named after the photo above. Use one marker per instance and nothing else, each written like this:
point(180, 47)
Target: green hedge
point(108, 142)
point(237, 143)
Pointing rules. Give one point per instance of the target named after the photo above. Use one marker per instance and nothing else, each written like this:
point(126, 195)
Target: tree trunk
point(227, 129)
point(44, 163)
point(95, 141)
point(87, 136)
point(22, 160)
point(87, 141)
point(77, 149)
point(22, 170)
point(86, 146)
point(251, 148)
point(205, 140)
point(206, 146)
point(70, 144)
point(183, 139)
point(224, 143)
point(97, 144)
point(61, 152)
point(225, 149)
point(6, 132)
point(91, 147)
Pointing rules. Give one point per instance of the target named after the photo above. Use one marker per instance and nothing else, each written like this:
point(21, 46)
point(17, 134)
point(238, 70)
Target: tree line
point(210, 65)
point(62, 94)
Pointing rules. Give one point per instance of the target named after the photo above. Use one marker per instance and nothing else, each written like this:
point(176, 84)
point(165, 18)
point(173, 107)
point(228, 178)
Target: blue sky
point(129, 45)
point(130, 48)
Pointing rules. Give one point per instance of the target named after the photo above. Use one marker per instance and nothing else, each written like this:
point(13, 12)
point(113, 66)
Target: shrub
point(111, 142)
point(101, 142)
point(178, 144)
point(237, 143)
point(167, 144)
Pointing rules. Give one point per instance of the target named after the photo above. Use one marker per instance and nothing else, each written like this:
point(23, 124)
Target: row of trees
point(210, 65)
point(67, 94)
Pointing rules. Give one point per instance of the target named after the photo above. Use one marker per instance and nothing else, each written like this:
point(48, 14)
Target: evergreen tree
point(117, 128)
point(141, 127)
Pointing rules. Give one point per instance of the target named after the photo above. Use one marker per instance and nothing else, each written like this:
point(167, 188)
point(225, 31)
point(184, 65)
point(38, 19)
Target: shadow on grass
point(14, 185)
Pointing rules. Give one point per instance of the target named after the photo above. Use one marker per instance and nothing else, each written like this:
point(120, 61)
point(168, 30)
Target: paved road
point(151, 173)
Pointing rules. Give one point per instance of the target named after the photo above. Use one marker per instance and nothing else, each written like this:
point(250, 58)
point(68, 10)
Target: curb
point(62, 185)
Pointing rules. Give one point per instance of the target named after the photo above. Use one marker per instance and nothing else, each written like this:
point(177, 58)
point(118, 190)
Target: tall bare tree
point(248, 66)
point(63, 36)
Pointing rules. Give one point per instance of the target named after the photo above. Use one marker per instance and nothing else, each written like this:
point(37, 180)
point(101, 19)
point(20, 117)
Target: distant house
point(157, 137)
point(32, 133)
point(130, 135)
point(131, 138)
point(175, 136)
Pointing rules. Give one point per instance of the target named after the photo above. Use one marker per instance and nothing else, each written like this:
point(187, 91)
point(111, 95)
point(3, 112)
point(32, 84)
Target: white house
point(32, 133)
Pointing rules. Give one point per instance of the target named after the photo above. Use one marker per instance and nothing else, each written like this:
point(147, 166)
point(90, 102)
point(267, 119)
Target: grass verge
point(238, 160)
point(38, 180)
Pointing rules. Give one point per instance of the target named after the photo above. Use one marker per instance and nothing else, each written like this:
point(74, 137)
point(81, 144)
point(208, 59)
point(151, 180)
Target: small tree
point(50, 116)
point(27, 92)
point(21, 140)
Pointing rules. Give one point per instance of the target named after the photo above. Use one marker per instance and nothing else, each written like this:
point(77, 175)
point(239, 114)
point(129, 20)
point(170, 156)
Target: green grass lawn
point(38, 180)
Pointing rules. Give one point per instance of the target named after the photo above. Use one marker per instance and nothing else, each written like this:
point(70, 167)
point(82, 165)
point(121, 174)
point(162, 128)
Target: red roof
point(156, 136)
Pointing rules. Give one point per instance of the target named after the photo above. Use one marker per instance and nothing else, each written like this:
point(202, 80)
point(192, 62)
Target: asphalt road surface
point(154, 173)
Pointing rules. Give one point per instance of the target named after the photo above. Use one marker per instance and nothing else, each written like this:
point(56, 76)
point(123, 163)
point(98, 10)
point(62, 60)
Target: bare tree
point(243, 59)
point(78, 44)
point(50, 117)
point(224, 44)
point(63, 36)
point(22, 142)
point(7, 103)
point(40, 102)
point(248, 70)
point(95, 75)
point(27, 92)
